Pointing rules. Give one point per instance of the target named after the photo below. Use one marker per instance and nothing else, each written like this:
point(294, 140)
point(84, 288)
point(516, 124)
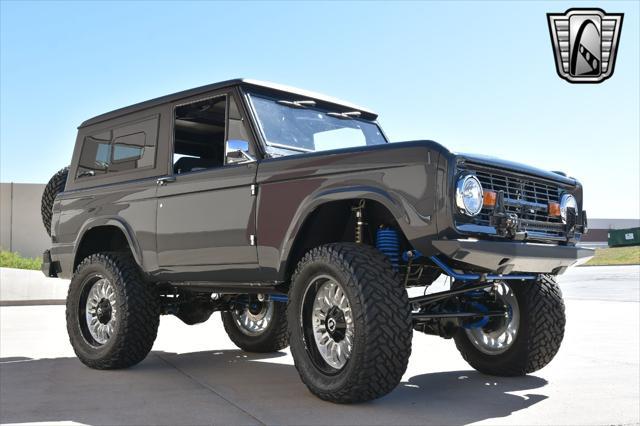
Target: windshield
point(291, 127)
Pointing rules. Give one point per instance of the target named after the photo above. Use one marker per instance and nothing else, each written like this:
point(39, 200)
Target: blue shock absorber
point(387, 242)
point(482, 321)
point(283, 298)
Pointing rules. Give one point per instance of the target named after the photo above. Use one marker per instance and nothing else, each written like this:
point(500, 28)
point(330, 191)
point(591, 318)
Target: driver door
point(206, 209)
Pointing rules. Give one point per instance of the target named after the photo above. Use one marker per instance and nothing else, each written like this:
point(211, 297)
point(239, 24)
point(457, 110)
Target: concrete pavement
point(195, 375)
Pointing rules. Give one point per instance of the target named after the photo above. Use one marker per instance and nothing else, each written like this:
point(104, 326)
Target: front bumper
point(506, 257)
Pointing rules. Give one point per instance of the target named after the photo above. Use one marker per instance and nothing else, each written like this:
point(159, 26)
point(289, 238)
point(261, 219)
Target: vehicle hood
point(513, 166)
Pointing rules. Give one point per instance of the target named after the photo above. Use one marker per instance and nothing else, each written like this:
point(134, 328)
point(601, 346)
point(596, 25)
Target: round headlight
point(567, 201)
point(469, 195)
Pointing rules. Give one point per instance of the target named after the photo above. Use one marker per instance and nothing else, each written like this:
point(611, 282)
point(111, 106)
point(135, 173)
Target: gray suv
point(291, 214)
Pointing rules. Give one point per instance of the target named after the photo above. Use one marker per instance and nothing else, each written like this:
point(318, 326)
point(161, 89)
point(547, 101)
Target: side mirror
point(237, 151)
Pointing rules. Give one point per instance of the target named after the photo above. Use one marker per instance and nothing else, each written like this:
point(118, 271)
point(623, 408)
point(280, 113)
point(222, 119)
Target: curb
point(5, 303)
point(19, 287)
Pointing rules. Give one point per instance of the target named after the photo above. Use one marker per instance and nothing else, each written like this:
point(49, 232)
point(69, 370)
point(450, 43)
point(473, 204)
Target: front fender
point(400, 176)
point(390, 201)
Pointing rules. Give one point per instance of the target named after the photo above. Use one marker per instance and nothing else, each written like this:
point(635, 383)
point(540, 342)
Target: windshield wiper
point(297, 104)
point(345, 115)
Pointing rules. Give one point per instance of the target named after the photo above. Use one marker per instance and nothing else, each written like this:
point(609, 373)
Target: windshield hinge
point(345, 115)
point(298, 104)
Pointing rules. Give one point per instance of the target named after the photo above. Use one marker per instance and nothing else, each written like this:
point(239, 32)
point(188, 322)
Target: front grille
point(528, 198)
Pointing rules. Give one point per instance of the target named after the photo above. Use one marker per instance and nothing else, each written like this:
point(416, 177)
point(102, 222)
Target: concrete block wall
point(21, 228)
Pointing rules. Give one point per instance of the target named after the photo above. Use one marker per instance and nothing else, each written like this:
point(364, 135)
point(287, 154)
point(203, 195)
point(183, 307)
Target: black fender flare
point(114, 221)
point(392, 203)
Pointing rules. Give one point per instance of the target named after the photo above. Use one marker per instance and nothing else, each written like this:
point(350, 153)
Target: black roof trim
point(223, 84)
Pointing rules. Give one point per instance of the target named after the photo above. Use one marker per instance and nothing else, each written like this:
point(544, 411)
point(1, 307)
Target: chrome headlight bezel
point(461, 196)
point(566, 201)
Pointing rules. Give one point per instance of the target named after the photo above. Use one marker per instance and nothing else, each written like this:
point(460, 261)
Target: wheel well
point(335, 222)
point(100, 239)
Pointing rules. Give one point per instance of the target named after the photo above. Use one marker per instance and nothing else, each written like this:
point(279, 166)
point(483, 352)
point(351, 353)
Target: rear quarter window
point(124, 148)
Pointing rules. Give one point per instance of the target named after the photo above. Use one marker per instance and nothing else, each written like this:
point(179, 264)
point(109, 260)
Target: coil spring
point(387, 242)
point(359, 226)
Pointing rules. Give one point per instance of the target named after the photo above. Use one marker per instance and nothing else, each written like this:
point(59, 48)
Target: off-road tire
point(54, 187)
point(542, 322)
point(273, 339)
point(138, 312)
point(381, 316)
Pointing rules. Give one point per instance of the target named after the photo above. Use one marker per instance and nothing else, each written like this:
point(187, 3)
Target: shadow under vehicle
point(234, 387)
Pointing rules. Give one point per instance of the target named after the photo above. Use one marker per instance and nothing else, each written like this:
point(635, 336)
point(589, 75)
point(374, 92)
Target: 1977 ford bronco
point(291, 214)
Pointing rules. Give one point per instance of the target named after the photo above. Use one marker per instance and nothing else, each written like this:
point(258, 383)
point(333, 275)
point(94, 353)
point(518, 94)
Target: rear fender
point(114, 221)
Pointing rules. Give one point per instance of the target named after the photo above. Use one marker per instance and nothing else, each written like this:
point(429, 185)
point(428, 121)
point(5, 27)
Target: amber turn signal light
point(554, 209)
point(489, 199)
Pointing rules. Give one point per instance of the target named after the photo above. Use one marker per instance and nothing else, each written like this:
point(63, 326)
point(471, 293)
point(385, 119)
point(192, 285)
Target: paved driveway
point(195, 375)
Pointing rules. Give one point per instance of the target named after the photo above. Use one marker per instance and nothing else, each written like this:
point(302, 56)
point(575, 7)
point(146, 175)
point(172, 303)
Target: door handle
point(165, 180)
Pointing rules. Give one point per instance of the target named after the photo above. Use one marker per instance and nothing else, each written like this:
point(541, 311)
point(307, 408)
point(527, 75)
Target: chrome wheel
point(499, 334)
point(331, 321)
point(255, 318)
point(100, 311)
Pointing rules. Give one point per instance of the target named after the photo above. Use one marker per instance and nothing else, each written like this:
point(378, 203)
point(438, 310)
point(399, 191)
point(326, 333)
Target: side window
point(95, 156)
point(237, 126)
point(199, 135)
point(238, 149)
point(124, 152)
point(127, 147)
point(102, 154)
point(128, 152)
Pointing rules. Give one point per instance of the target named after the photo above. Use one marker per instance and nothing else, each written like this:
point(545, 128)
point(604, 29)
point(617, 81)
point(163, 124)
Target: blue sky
point(476, 77)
